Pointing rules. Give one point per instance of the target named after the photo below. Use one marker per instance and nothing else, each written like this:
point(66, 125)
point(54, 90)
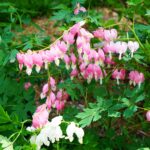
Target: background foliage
point(108, 114)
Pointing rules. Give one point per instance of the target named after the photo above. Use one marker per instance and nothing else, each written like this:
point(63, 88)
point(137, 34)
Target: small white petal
point(57, 120)
point(80, 133)
point(42, 95)
point(67, 67)
point(57, 62)
point(37, 68)
point(33, 139)
point(46, 65)
point(28, 71)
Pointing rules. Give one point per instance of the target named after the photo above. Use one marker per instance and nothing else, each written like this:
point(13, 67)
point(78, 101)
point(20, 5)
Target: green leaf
point(2, 56)
point(26, 20)
point(13, 54)
point(72, 93)
point(37, 27)
point(60, 6)
point(4, 117)
point(130, 111)
point(126, 101)
point(27, 147)
point(96, 117)
point(134, 2)
point(30, 107)
point(6, 60)
point(28, 45)
point(19, 109)
point(112, 113)
point(144, 148)
point(88, 116)
point(139, 98)
point(95, 17)
point(62, 14)
point(99, 91)
point(6, 127)
point(147, 12)
point(75, 90)
point(86, 121)
point(74, 2)
point(5, 4)
point(118, 106)
point(143, 28)
point(70, 112)
point(109, 22)
point(93, 113)
point(76, 19)
point(103, 104)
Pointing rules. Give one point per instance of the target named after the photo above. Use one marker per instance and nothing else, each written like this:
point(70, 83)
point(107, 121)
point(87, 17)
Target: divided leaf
point(129, 112)
point(88, 116)
point(4, 117)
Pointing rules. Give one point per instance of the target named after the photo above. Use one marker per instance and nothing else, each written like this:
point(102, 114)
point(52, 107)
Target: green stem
point(136, 37)
point(89, 6)
point(49, 75)
point(22, 125)
point(57, 145)
point(147, 109)
point(48, 71)
point(12, 135)
point(112, 25)
point(109, 123)
point(86, 102)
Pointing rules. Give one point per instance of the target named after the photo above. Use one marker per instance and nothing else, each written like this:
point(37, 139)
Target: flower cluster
point(54, 98)
point(52, 132)
point(74, 129)
point(40, 117)
point(56, 52)
point(82, 60)
point(85, 61)
point(115, 47)
point(136, 78)
point(118, 75)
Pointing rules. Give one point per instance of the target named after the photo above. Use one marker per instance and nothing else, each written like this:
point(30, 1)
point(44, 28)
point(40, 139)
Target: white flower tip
point(38, 68)
point(46, 66)
point(67, 67)
point(73, 66)
point(57, 62)
point(101, 81)
point(42, 95)
point(80, 140)
point(70, 138)
point(131, 54)
point(29, 71)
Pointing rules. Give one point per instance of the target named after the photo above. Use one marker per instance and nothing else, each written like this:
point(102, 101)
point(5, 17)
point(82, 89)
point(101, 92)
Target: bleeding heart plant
point(84, 62)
